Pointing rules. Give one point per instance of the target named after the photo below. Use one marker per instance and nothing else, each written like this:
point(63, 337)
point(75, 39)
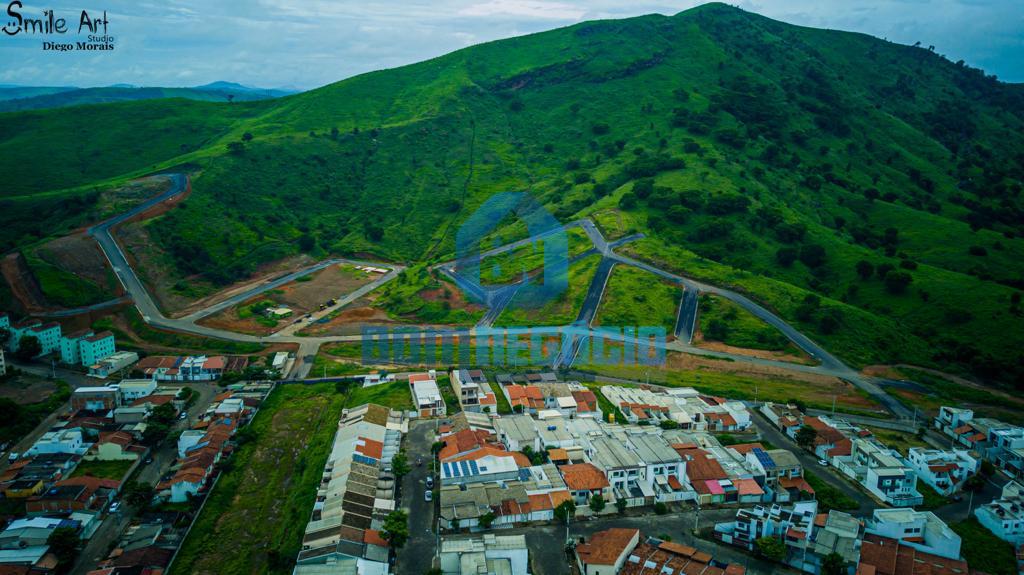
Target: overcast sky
point(309, 43)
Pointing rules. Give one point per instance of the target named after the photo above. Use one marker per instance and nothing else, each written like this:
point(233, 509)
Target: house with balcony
point(1006, 450)
point(1004, 517)
point(945, 471)
point(473, 391)
point(793, 525)
point(426, 395)
point(880, 471)
point(922, 530)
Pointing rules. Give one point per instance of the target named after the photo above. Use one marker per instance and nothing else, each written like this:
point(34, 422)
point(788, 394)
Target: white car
point(115, 506)
point(428, 495)
point(823, 463)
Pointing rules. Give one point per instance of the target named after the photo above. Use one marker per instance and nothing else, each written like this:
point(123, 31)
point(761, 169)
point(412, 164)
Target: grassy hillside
point(768, 157)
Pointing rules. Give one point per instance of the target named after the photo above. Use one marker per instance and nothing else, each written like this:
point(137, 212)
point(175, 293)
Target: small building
point(1004, 517)
point(97, 398)
point(584, 481)
point(484, 554)
point(60, 441)
point(426, 395)
point(129, 390)
point(113, 364)
point(96, 348)
point(607, 551)
point(922, 530)
point(945, 471)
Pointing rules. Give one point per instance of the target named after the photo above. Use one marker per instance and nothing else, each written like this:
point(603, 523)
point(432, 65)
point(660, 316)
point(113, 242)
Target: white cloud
point(524, 9)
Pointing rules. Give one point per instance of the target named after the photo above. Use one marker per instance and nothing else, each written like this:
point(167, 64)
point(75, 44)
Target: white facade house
point(1004, 517)
point(60, 441)
point(922, 530)
point(945, 471)
point(129, 390)
point(113, 363)
point(881, 471)
point(426, 395)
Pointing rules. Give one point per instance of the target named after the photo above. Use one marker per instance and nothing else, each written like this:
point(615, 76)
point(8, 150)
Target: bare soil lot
point(301, 296)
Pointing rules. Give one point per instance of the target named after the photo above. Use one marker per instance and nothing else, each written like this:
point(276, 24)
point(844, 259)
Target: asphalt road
point(164, 457)
point(829, 364)
point(418, 553)
point(809, 462)
point(686, 319)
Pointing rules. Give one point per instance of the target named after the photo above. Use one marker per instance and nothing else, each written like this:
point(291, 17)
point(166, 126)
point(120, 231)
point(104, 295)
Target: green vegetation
point(635, 297)
point(561, 310)
point(781, 157)
point(724, 321)
point(19, 420)
point(76, 97)
point(169, 339)
point(984, 551)
point(104, 469)
point(260, 504)
point(404, 299)
point(932, 498)
point(829, 497)
point(395, 395)
point(64, 288)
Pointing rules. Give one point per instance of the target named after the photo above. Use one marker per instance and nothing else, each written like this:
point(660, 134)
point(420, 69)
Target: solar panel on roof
point(763, 458)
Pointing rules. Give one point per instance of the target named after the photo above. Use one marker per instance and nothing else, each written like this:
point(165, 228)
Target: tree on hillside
point(812, 255)
point(28, 347)
point(896, 282)
point(396, 528)
point(805, 436)
point(865, 269)
point(717, 330)
point(786, 256)
point(771, 548)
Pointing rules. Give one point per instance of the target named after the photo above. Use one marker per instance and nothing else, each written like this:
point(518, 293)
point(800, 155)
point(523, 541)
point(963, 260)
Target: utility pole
point(833, 404)
point(970, 504)
point(696, 519)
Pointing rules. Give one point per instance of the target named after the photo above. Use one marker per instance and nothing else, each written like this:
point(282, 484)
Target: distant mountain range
point(16, 98)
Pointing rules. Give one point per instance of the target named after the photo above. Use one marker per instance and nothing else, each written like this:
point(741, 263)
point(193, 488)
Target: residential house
point(524, 398)
point(60, 441)
point(484, 554)
point(793, 525)
point(115, 446)
point(881, 471)
point(835, 532)
point(95, 398)
point(654, 556)
point(517, 432)
point(884, 556)
point(130, 390)
point(922, 530)
point(473, 391)
point(426, 395)
point(114, 363)
point(607, 551)
point(189, 368)
point(74, 494)
point(584, 480)
point(1006, 450)
point(783, 474)
point(945, 471)
point(1004, 517)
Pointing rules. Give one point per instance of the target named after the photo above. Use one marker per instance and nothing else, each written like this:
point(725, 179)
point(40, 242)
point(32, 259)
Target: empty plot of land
point(725, 326)
point(271, 310)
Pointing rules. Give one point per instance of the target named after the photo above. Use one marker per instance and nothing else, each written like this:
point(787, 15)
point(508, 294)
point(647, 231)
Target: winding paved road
point(829, 364)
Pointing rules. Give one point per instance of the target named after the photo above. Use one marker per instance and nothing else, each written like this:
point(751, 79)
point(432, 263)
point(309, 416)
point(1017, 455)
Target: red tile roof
point(583, 476)
point(885, 556)
point(605, 547)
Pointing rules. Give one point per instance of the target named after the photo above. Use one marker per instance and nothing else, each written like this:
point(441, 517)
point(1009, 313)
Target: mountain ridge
point(756, 154)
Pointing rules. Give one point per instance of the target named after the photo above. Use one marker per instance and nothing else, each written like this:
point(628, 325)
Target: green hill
point(59, 98)
point(756, 154)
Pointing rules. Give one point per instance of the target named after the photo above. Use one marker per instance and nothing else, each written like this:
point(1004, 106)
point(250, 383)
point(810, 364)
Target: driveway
point(421, 548)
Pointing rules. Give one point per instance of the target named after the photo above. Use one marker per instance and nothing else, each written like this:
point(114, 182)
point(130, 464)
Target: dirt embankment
point(28, 296)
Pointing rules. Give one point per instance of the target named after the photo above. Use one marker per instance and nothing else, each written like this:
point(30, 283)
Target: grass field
point(898, 440)
point(724, 321)
point(735, 382)
point(560, 311)
point(984, 551)
point(419, 295)
point(104, 469)
point(64, 288)
point(264, 501)
point(129, 331)
point(635, 298)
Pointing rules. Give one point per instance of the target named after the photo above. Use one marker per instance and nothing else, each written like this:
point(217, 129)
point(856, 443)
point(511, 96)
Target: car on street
point(823, 463)
point(428, 495)
point(183, 415)
point(115, 506)
point(419, 462)
point(12, 457)
point(149, 460)
point(430, 482)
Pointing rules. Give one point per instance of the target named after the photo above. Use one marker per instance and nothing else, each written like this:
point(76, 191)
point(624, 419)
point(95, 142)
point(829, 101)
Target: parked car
point(115, 506)
point(12, 457)
point(823, 463)
point(430, 482)
point(428, 495)
point(419, 462)
point(183, 415)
